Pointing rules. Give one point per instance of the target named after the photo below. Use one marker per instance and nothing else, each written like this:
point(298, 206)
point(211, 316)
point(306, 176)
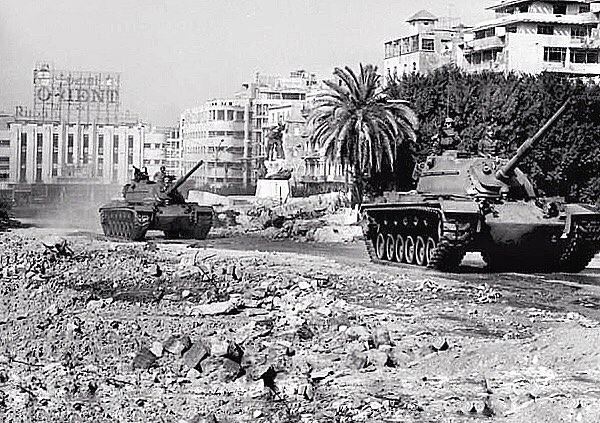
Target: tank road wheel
point(390, 248)
point(380, 246)
point(420, 251)
point(430, 246)
point(409, 249)
point(399, 248)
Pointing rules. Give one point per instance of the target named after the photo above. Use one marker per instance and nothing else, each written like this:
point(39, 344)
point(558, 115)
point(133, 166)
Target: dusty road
point(326, 336)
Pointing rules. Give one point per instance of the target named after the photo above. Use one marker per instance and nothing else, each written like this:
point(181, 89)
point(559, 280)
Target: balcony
point(494, 42)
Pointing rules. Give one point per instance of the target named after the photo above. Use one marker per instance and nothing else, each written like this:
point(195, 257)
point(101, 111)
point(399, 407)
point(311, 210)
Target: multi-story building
point(215, 133)
point(429, 43)
point(535, 36)
point(60, 152)
point(162, 147)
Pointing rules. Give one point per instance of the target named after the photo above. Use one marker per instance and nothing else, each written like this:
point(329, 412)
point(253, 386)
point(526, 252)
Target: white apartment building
point(535, 36)
point(428, 43)
point(215, 133)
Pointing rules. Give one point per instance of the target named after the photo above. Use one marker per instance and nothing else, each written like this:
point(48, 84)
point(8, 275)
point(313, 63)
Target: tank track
point(124, 224)
point(449, 251)
point(581, 246)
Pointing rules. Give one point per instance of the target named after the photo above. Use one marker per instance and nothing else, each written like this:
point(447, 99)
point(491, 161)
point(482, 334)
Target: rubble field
point(99, 331)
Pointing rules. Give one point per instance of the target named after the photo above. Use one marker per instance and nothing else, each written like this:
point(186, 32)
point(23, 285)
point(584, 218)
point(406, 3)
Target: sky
point(174, 54)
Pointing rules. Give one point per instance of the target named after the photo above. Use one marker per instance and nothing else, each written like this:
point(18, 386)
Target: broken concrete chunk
point(177, 345)
point(194, 356)
point(144, 359)
point(358, 333)
point(211, 309)
point(157, 349)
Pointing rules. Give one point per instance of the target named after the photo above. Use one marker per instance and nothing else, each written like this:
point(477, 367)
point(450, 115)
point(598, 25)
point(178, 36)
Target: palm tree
point(353, 121)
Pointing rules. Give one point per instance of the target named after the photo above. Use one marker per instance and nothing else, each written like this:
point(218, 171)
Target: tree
point(354, 122)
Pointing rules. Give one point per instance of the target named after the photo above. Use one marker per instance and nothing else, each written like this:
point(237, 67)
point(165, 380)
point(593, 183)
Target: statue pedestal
point(275, 189)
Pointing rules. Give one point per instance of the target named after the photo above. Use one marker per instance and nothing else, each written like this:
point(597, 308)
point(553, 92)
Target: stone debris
point(218, 336)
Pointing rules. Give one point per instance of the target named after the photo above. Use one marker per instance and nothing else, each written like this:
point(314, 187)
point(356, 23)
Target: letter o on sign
point(43, 94)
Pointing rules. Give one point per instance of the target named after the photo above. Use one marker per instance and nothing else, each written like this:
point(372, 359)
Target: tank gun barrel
point(504, 172)
point(184, 178)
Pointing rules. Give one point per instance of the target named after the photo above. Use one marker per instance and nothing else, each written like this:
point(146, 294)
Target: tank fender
point(577, 210)
point(468, 207)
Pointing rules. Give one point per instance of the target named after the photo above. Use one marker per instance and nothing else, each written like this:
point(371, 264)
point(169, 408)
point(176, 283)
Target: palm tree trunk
point(358, 187)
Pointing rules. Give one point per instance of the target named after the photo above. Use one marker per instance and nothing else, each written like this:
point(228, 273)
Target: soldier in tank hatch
point(447, 139)
point(488, 145)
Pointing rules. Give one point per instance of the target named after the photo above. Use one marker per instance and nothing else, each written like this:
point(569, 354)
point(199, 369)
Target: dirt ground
point(250, 329)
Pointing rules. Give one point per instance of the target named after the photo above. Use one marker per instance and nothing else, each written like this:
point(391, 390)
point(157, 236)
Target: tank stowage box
point(147, 205)
point(465, 203)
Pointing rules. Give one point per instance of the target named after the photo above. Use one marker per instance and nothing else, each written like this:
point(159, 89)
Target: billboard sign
point(69, 95)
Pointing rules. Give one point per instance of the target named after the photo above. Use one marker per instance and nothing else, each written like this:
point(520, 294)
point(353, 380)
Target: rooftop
point(422, 15)
point(505, 3)
point(581, 18)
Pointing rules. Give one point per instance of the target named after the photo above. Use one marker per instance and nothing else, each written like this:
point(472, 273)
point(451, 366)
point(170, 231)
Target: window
point(23, 158)
point(511, 29)
point(100, 144)
point(130, 149)
point(39, 151)
point(115, 150)
point(414, 43)
point(240, 116)
point(584, 56)
point(579, 32)
point(485, 33)
point(584, 8)
point(86, 148)
point(230, 114)
point(100, 169)
point(545, 29)
point(220, 114)
point(555, 54)
point(54, 154)
point(559, 8)
point(4, 167)
point(4, 143)
point(70, 149)
point(428, 44)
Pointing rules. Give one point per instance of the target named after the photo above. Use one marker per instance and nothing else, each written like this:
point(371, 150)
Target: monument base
point(275, 189)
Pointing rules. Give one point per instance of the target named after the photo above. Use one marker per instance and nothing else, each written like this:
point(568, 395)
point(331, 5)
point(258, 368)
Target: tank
point(464, 202)
point(146, 205)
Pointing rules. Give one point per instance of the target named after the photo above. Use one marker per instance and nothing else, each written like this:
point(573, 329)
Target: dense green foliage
point(566, 162)
point(354, 122)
